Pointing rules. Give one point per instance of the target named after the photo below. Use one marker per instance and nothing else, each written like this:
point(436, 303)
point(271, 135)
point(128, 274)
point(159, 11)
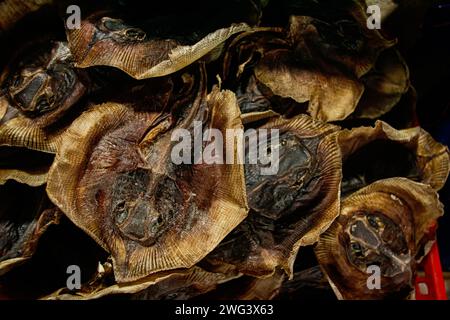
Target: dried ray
point(313, 61)
point(22, 223)
point(245, 50)
point(308, 282)
point(270, 64)
point(41, 81)
point(110, 41)
point(25, 123)
point(39, 86)
point(373, 153)
point(181, 284)
point(381, 225)
point(346, 42)
point(257, 102)
point(289, 209)
point(123, 189)
point(331, 95)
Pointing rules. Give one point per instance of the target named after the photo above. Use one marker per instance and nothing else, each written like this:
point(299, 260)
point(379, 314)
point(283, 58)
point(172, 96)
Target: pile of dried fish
point(90, 189)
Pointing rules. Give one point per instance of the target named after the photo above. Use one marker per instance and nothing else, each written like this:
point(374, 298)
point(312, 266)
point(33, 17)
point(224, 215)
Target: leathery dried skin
point(256, 101)
point(347, 42)
point(305, 282)
point(186, 284)
point(41, 80)
point(40, 86)
point(169, 285)
point(290, 74)
point(109, 41)
point(149, 213)
point(289, 209)
point(373, 153)
point(332, 95)
point(384, 225)
point(248, 288)
point(309, 66)
point(25, 214)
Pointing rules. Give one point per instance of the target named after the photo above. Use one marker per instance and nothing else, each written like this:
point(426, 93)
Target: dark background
point(426, 47)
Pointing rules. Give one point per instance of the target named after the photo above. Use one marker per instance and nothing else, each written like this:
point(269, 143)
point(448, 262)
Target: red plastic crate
point(431, 286)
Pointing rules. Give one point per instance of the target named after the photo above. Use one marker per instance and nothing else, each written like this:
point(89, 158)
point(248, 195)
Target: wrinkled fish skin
point(344, 180)
point(45, 81)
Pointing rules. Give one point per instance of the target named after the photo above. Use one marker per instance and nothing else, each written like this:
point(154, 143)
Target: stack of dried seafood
point(88, 181)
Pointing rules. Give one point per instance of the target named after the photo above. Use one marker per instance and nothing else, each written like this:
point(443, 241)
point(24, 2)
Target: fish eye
point(42, 102)
point(356, 249)
point(121, 205)
point(135, 34)
point(375, 222)
point(51, 99)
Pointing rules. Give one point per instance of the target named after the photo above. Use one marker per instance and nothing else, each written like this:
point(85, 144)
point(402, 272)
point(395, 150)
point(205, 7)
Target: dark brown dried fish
point(178, 284)
point(332, 95)
point(123, 189)
point(105, 39)
point(291, 208)
point(382, 225)
point(373, 153)
point(39, 87)
point(293, 68)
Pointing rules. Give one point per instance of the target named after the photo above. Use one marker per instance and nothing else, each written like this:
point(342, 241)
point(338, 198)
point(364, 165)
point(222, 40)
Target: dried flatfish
point(380, 226)
point(347, 42)
point(373, 153)
point(140, 52)
point(291, 208)
point(331, 95)
point(178, 284)
point(123, 189)
point(39, 87)
point(285, 70)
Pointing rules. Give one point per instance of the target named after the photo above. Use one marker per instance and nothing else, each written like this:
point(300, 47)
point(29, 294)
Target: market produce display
point(245, 149)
